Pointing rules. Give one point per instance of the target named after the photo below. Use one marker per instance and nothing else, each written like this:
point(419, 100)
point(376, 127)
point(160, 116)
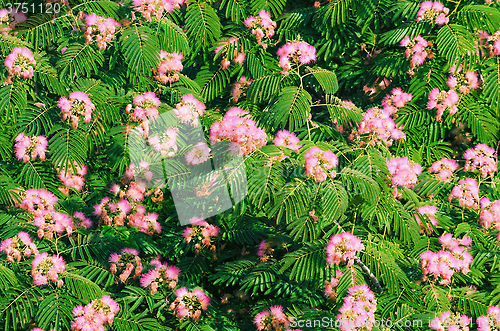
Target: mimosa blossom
point(125, 263)
point(272, 319)
point(200, 233)
point(143, 109)
point(467, 193)
point(359, 306)
point(319, 164)
point(71, 179)
point(189, 304)
point(240, 87)
point(101, 28)
point(449, 321)
point(189, 110)
point(397, 99)
point(36, 201)
point(45, 268)
point(169, 68)
point(78, 105)
point(20, 63)
point(161, 275)
point(379, 127)
point(287, 139)
point(198, 154)
point(29, 148)
point(18, 246)
point(444, 169)
point(296, 52)
point(418, 49)
point(403, 172)
point(481, 158)
point(155, 8)
point(491, 321)
point(49, 221)
point(343, 248)
point(95, 315)
point(433, 12)
point(261, 26)
point(464, 82)
point(489, 218)
point(428, 211)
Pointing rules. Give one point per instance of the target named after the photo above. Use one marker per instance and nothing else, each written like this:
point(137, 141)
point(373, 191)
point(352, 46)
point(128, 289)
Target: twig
point(370, 274)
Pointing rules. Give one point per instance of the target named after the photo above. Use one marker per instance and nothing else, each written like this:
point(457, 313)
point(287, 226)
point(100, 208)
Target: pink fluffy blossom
point(272, 319)
point(418, 49)
point(491, 321)
point(155, 8)
point(49, 221)
point(320, 164)
point(442, 101)
point(379, 127)
point(261, 26)
point(147, 223)
point(189, 304)
point(18, 246)
point(161, 275)
point(29, 148)
point(397, 99)
point(200, 233)
point(80, 219)
point(343, 248)
point(111, 213)
point(143, 109)
point(467, 193)
point(37, 200)
point(20, 63)
point(198, 154)
point(449, 321)
point(78, 105)
point(165, 143)
point(481, 158)
point(189, 110)
point(444, 169)
point(358, 311)
point(429, 212)
point(73, 178)
point(95, 315)
point(403, 172)
point(489, 216)
point(100, 29)
point(45, 268)
point(238, 127)
point(240, 87)
point(287, 139)
point(169, 68)
point(125, 263)
point(433, 12)
point(330, 286)
point(463, 82)
point(295, 53)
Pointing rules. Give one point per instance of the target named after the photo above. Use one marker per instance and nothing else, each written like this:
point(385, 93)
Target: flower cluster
point(20, 62)
point(169, 68)
point(111, 213)
point(162, 274)
point(287, 139)
point(28, 148)
point(490, 214)
point(296, 52)
point(433, 12)
point(80, 219)
point(443, 100)
point(277, 157)
point(166, 142)
point(318, 162)
point(38, 200)
point(155, 8)
point(9, 18)
point(125, 263)
point(240, 87)
point(494, 41)
point(201, 233)
point(428, 211)
point(359, 306)
point(418, 49)
point(467, 193)
point(397, 99)
point(330, 286)
point(342, 248)
point(95, 315)
point(189, 305)
point(272, 319)
point(50, 221)
point(72, 180)
point(45, 268)
point(403, 172)
point(265, 251)
point(101, 28)
point(18, 246)
point(189, 110)
point(144, 222)
point(198, 154)
point(450, 322)
point(491, 321)
point(262, 26)
point(454, 257)
point(144, 107)
point(224, 45)
point(463, 81)
point(379, 126)
point(444, 169)
point(237, 127)
point(482, 158)
point(76, 106)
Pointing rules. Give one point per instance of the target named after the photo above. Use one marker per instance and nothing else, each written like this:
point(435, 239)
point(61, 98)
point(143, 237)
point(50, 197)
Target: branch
point(370, 274)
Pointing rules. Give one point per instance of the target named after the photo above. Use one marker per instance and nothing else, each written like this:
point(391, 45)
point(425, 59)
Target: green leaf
point(203, 25)
point(292, 107)
point(140, 49)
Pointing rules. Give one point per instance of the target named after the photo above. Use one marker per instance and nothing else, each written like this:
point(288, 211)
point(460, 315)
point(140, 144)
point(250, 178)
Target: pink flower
point(18, 246)
point(155, 9)
point(198, 154)
point(449, 321)
point(261, 26)
point(126, 262)
point(379, 127)
point(396, 100)
point(29, 148)
point(404, 172)
point(467, 193)
point(72, 179)
point(296, 52)
point(272, 319)
point(45, 268)
point(318, 162)
point(357, 312)
point(433, 12)
point(444, 169)
point(77, 106)
point(342, 248)
point(442, 100)
point(166, 144)
point(95, 315)
point(288, 140)
point(189, 110)
point(189, 305)
point(490, 321)
point(428, 211)
point(20, 63)
point(482, 158)
point(100, 29)
point(200, 233)
point(169, 68)
point(417, 49)
point(240, 87)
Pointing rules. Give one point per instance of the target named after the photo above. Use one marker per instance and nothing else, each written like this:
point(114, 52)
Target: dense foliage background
point(269, 249)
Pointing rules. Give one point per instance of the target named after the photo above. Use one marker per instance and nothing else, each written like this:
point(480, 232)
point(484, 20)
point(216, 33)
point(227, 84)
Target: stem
point(370, 274)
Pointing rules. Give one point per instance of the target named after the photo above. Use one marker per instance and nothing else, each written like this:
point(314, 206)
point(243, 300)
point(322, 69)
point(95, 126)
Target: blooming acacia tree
point(368, 132)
